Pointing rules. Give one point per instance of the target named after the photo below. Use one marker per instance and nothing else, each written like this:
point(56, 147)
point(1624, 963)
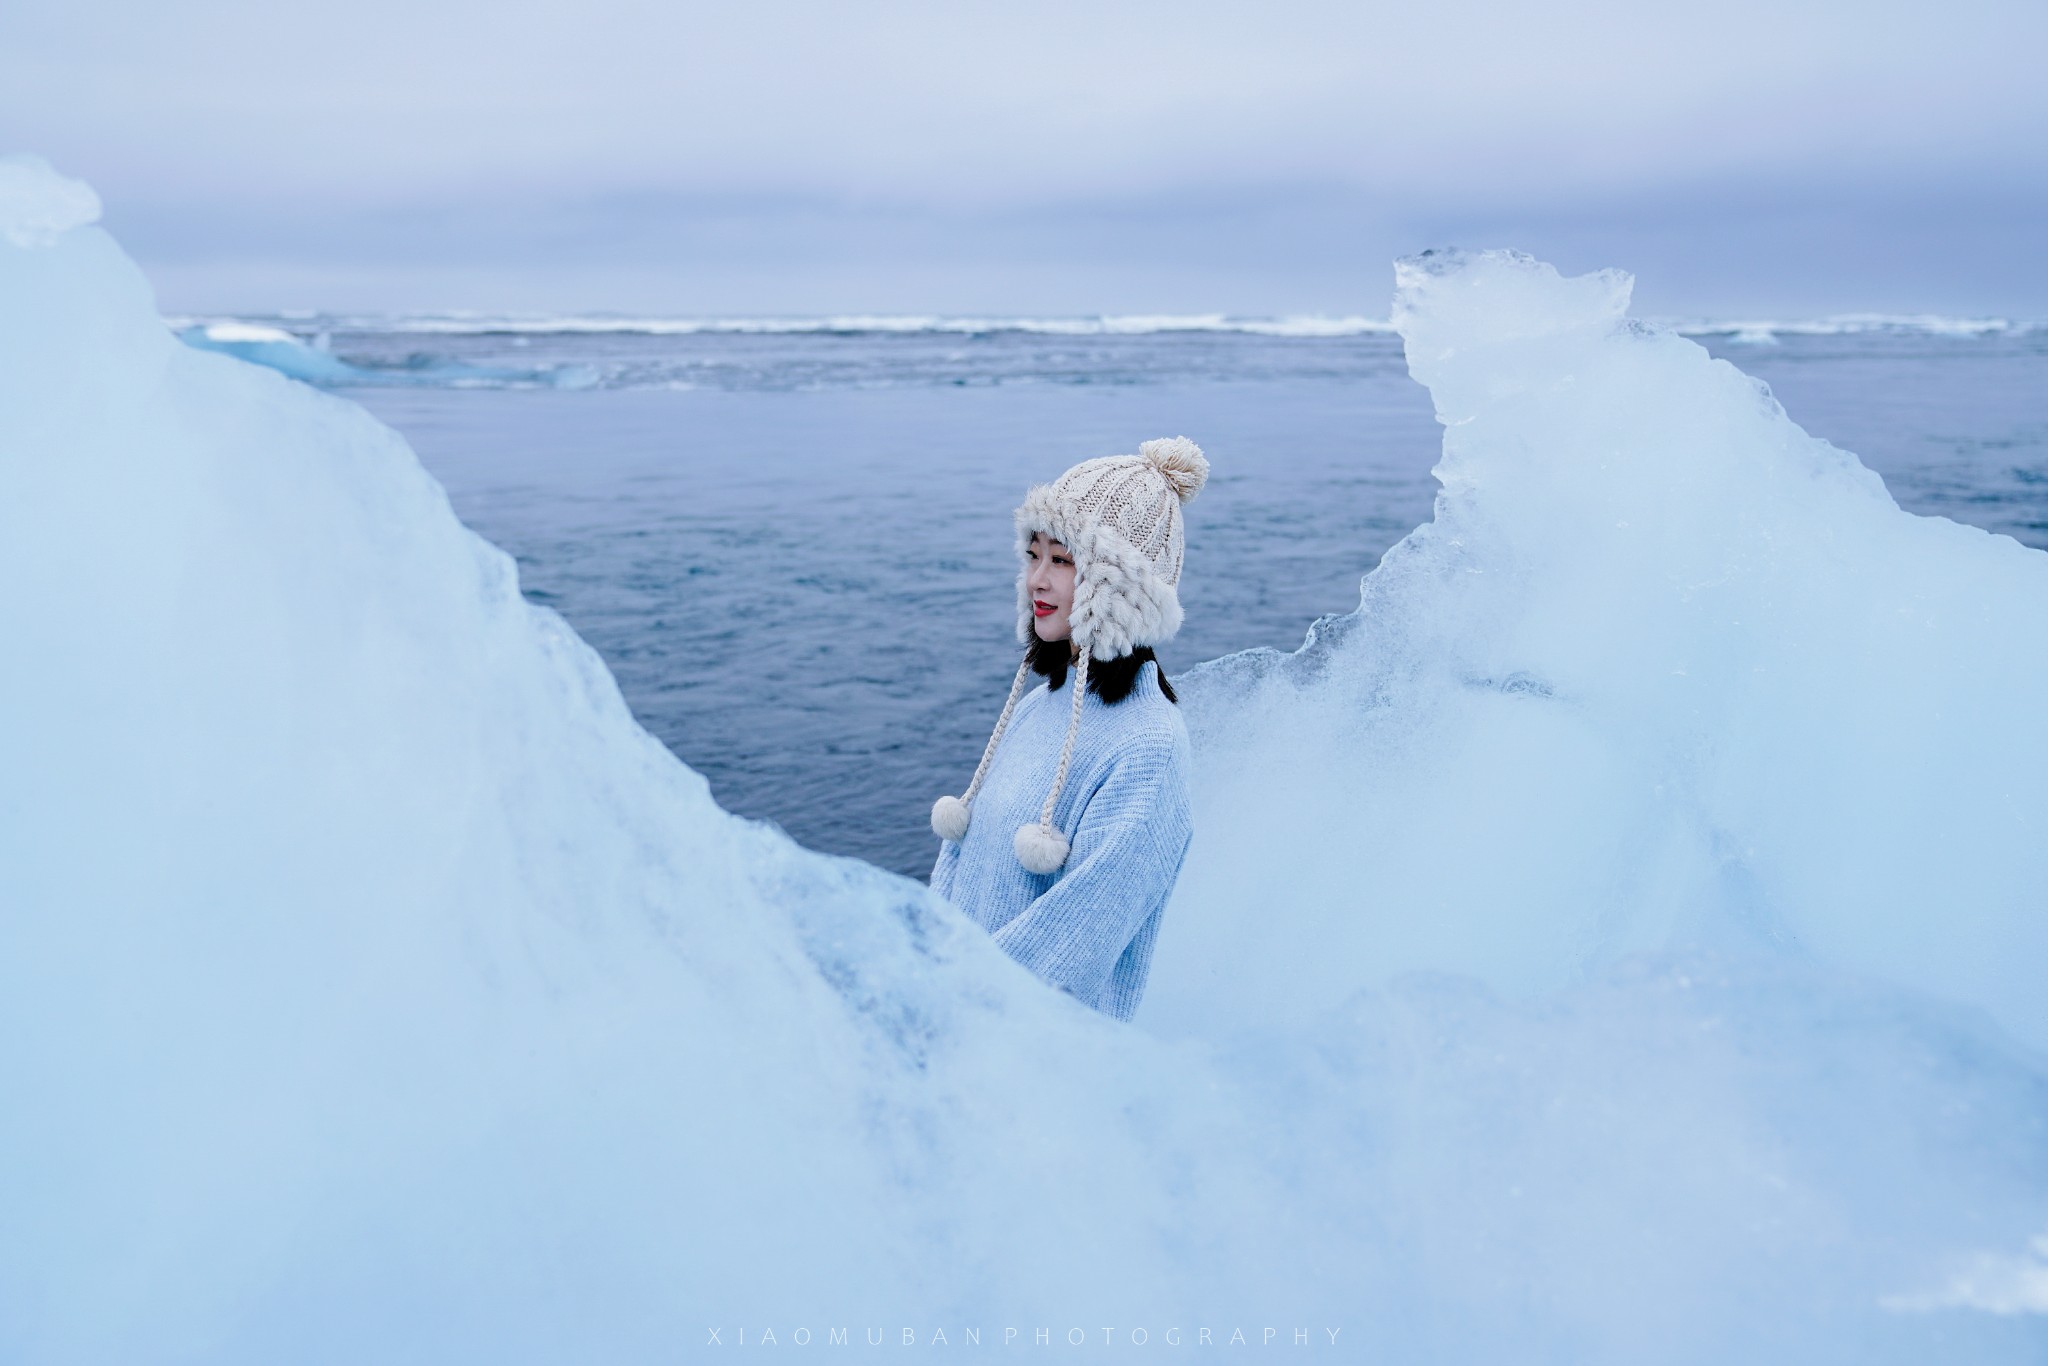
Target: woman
point(1067, 850)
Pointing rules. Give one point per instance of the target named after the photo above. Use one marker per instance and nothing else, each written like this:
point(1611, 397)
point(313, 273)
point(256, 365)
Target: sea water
point(790, 538)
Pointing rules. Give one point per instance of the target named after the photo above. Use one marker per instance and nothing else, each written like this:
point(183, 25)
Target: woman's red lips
point(1042, 608)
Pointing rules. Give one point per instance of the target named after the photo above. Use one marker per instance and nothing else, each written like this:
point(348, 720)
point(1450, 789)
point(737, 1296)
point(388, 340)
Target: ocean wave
point(852, 324)
point(1111, 325)
point(581, 351)
point(1767, 331)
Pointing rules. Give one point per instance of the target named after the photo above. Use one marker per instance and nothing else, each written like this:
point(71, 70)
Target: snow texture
point(37, 206)
point(1612, 943)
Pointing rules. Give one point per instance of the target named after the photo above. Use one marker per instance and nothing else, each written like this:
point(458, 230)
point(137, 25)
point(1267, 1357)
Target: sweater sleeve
point(941, 879)
point(1124, 858)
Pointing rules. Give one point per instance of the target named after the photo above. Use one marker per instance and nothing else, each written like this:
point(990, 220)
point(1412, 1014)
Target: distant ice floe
point(272, 347)
point(282, 351)
point(1768, 332)
point(1616, 941)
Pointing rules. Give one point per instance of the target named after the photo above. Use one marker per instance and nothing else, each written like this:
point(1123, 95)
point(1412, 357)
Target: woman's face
point(1050, 577)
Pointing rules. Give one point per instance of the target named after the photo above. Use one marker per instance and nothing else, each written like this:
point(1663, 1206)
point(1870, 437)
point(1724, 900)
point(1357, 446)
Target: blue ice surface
point(1615, 940)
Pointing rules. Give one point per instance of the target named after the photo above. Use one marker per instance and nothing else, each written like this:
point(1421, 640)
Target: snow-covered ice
point(1612, 943)
point(37, 206)
point(1664, 669)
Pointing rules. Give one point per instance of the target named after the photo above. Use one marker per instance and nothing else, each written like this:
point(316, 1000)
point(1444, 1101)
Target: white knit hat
point(1119, 517)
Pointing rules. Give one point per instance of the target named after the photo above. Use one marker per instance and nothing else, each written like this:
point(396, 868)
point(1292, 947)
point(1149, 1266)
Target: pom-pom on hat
point(1119, 517)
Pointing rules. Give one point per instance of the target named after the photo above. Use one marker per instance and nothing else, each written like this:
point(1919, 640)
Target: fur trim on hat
point(1120, 600)
point(1123, 596)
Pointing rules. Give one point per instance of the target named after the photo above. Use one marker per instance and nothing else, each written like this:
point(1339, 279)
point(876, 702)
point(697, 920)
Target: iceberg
point(1609, 943)
point(369, 977)
point(1663, 669)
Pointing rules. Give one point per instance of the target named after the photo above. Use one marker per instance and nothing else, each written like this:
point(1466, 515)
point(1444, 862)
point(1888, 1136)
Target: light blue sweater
point(1088, 928)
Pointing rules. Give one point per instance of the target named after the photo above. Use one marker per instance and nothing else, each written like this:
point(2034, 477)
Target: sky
point(783, 158)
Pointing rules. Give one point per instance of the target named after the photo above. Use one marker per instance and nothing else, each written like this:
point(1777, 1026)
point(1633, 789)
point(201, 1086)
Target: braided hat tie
point(1039, 847)
point(950, 815)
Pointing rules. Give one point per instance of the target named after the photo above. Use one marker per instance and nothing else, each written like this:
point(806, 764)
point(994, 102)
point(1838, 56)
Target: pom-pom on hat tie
point(1119, 517)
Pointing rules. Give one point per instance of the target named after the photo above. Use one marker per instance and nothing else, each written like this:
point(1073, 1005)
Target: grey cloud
point(1266, 150)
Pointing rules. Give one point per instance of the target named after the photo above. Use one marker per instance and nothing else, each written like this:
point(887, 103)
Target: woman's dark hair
point(1111, 680)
